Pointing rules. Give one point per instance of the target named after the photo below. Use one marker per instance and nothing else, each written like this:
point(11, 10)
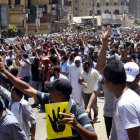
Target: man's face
point(13, 94)
point(133, 85)
point(55, 96)
point(90, 60)
point(86, 68)
point(63, 61)
point(77, 63)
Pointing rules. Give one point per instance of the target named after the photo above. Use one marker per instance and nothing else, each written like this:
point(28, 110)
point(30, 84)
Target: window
point(98, 12)
point(9, 2)
point(98, 4)
point(76, 1)
point(107, 4)
point(122, 3)
point(107, 12)
point(67, 3)
point(76, 8)
point(115, 3)
point(29, 3)
point(17, 2)
point(116, 12)
point(53, 2)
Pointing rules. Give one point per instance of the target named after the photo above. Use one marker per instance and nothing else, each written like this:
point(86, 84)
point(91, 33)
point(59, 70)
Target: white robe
point(74, 75)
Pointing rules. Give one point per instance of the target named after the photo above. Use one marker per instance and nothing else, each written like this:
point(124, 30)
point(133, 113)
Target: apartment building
point(110, 6)
point(82, 8)
point(134, 8)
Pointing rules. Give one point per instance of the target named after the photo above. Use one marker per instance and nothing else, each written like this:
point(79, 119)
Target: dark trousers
point(94, 106)
point(108, 124)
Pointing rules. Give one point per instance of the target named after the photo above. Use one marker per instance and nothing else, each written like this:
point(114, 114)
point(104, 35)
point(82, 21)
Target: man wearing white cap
point(74, 74)
point(132, 76)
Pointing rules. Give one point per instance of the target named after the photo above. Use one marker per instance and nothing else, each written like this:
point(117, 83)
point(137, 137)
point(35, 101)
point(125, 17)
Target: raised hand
point(106, 33)
point(54, 121)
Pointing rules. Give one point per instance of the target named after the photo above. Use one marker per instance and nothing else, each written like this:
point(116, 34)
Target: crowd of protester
point(72, 68)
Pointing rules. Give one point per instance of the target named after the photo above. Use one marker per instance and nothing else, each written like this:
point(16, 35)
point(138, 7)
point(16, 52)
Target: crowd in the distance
point(73, 68)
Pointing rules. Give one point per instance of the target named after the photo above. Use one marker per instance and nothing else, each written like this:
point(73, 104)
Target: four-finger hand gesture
point(57, 127)
point(106, 33)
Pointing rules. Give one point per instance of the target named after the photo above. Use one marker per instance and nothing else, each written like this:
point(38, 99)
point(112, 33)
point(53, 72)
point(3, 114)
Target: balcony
point(46, 18)
point(16, 9)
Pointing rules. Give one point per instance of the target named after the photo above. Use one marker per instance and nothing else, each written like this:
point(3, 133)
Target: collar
point(71, 103)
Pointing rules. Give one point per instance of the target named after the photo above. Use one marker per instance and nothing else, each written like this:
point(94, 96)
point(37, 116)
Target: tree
point(11, 31)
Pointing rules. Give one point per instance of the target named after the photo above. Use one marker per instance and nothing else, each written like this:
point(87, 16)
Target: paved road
point(41, 123)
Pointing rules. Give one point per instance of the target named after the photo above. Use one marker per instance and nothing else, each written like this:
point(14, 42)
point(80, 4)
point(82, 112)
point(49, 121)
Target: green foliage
point(11, 31)
point(88, 26)
point(13, 28)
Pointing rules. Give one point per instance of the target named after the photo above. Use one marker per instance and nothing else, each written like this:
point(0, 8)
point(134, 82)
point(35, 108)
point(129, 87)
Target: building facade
point(134, 8)
point(82, 8)
point(110, 6)
point(23, 14)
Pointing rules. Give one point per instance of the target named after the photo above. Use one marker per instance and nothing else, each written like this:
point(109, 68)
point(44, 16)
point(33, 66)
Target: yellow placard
point(55, 130)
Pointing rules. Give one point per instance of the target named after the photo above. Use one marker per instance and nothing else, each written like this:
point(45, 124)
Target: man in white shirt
point(21, 110)
point(74, 75)
point(56, 74)
point(133, 72)
point(127, 109)
point(88, 79)
point(27, 46)
point(25, 69)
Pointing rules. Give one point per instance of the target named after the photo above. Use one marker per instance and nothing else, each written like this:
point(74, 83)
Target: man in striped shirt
point(60, 91)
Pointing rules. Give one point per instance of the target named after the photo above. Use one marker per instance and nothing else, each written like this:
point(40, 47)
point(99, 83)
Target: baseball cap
point(76, 49)
point(131, 70)
point(25, 55)
point(61, 85)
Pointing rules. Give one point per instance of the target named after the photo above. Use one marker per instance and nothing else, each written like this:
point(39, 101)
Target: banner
point(116, 19)
point(55, 130)
point(111, 19)
point(116, 33)
point(106, 19)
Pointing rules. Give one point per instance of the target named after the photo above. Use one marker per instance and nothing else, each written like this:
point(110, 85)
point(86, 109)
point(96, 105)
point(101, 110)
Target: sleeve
point(28, 113)
point(83, 119)
point(128, 116)
point(81, 75)
point(44, 98)
point(67, 68)
point(96, 75)
point(4, 78)
point(5, 93)
point(16, 132)
point(98, 86)
point(22, 63)
point(69, 76)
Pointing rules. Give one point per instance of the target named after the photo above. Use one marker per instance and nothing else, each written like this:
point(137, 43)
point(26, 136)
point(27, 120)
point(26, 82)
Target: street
point(41, 122)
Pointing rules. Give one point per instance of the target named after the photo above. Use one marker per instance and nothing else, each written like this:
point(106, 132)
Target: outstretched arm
point(21, 85)
point(102, 55)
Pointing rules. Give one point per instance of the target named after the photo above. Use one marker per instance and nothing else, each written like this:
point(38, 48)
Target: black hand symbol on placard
point(57, 127)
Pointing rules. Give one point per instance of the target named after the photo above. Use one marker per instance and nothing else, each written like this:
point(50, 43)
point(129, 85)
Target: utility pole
point(37, 18)
point(0, 32)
